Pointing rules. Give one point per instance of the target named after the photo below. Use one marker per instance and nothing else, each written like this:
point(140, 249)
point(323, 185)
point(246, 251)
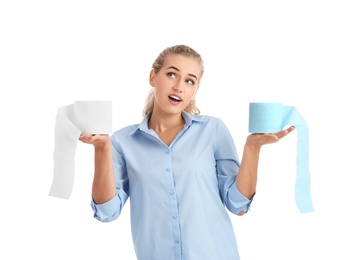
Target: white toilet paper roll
point(93, 117)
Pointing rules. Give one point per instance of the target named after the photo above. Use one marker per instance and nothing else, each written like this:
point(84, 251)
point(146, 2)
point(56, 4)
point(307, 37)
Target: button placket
point(173, 205)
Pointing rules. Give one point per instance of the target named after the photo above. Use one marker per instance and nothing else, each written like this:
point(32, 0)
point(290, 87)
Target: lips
point(175, 98)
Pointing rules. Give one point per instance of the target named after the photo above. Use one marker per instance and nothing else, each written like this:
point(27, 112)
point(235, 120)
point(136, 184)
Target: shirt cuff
point(237, 201)
point(107, 211)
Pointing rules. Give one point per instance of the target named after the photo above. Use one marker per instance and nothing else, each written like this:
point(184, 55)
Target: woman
point(180, 169)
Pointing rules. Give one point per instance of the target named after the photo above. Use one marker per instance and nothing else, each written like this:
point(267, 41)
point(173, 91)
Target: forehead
point(184, 64)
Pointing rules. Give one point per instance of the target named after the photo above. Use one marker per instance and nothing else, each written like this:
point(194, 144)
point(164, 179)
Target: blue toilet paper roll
point(273, 117)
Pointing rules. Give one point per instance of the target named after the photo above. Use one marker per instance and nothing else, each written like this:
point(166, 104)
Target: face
point(176, 83)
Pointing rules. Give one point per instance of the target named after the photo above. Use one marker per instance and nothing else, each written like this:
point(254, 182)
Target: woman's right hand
point(98, 140)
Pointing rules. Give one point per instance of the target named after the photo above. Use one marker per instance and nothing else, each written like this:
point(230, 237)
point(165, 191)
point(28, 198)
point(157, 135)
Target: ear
point(152, 77)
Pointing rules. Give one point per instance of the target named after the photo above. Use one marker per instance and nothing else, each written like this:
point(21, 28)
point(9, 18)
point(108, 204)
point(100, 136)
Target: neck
point(162, 123)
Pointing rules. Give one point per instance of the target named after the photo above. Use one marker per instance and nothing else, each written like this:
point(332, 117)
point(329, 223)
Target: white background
point(299, 53)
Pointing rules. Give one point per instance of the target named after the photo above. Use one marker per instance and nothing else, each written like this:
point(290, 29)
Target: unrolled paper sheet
point(273, 117)
point(94, 117)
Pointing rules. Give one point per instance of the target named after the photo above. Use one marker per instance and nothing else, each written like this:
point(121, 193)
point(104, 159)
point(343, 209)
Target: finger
point(101, 138)
point(85, 137)
point(94, 137)
point(285, 132)
point(291, 128)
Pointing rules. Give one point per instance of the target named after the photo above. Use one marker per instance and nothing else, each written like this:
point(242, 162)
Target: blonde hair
point(158, 64)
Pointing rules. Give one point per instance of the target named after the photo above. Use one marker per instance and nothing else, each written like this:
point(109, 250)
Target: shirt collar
point(188, 118)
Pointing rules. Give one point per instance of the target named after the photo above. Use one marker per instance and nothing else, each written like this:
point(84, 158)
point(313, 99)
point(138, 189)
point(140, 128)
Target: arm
point(246, 180)
point(103, 186)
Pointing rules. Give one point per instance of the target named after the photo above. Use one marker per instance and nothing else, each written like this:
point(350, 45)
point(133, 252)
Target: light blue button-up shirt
point(178, 193)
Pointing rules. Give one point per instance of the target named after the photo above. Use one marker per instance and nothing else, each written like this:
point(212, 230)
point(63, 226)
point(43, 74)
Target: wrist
point(103, 147)
point(251, 148)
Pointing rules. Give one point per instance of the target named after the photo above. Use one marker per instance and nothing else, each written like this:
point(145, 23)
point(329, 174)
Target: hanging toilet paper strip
point(273, 117)
point(93, 117)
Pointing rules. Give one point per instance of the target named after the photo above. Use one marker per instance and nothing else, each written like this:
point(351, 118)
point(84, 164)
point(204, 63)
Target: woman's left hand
point(257, 140)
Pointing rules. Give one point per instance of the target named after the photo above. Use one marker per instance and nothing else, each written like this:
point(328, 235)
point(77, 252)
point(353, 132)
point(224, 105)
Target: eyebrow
point(192, 75)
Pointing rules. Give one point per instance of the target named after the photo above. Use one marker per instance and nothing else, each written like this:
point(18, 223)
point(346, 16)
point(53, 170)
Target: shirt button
point(174, 217)
point(168, 169)
point(171, 193)
point(167, 152)
point(177, 241)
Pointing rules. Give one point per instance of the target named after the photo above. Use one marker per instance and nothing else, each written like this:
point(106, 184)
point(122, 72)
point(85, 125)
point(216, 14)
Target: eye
point(172, 75)
point(189, 81)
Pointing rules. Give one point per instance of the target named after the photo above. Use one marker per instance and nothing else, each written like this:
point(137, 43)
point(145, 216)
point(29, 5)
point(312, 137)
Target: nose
point(178, 86)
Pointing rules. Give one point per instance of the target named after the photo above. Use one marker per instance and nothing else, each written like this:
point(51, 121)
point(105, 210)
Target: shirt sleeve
point(227, 166)
point(111, 209)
